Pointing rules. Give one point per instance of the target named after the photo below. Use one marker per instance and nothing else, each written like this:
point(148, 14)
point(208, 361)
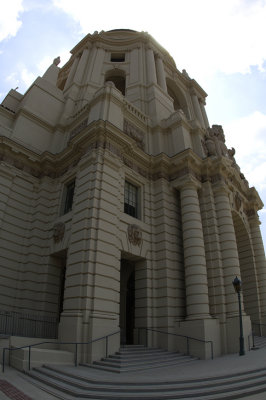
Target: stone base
point(100, 326)
point(233, 333)
point(204, 329)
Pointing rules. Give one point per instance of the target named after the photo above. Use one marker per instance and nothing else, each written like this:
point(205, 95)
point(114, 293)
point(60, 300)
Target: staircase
point(259, 341)
point(136, 357)
point(98, 382)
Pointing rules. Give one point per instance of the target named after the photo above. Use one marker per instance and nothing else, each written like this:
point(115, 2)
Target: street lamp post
point(237, 286)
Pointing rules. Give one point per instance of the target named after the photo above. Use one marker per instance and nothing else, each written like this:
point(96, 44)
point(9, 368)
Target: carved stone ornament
point(238, 201)
point(215, 142)
point(134, 234)
point(135, 133)
point(59, 231)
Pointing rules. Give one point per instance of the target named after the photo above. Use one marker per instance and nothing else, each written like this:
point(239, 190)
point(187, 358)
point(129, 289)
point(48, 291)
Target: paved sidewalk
point(220, 366)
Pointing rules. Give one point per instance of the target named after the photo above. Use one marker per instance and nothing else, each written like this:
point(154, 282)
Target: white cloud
point(248, 136)
point(206, 36)
point(9, 18)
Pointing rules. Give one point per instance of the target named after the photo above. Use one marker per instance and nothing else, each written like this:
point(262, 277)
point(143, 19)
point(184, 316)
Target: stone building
point(121, 208)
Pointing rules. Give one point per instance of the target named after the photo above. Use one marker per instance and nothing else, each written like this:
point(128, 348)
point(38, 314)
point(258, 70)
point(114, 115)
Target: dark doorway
point(127, 302)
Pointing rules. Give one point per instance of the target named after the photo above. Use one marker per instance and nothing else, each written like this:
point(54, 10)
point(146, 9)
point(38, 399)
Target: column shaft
point(151, 71)
point(81, 66)
point(161, 73)
point(197, 109)
point(197, 300)
point(228, 246)
point(259, 256)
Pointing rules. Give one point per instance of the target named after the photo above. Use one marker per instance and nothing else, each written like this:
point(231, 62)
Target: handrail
point(106, 337)
point(259, 324)
point(184, 336)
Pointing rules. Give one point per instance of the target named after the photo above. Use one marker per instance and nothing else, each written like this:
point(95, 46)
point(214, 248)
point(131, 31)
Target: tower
point(122, 208)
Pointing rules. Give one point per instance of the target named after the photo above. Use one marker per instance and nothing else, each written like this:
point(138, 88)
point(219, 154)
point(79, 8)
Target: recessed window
point(117, 57)
point(131, 200)
point(68, 197)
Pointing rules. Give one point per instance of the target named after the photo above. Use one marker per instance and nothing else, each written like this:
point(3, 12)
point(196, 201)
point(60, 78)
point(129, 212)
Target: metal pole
point(3, 364)
point(76, 354)
point(106, 346)
point(241, 338)
point(29, 356)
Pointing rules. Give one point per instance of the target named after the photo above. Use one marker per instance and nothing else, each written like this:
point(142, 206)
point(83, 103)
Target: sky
point(220, 43)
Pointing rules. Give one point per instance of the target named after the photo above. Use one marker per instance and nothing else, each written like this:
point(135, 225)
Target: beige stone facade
point(121, 208)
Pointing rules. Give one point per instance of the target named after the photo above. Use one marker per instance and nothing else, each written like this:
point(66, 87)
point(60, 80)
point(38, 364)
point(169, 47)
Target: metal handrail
point(260, 325)
point(183, 336)
point(106, 337)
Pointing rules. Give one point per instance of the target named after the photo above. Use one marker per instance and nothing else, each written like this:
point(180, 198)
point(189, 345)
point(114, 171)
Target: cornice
point(104, 136)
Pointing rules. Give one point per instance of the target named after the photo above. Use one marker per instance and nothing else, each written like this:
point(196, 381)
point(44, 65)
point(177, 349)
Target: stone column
point(229, 252)
point(151, 70)
point(259, 256)
point(160, 73)
point(203, 112)
point(196, 107)
point(197, 300)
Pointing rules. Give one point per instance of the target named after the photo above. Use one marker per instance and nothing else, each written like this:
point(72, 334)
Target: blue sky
point(221, 44)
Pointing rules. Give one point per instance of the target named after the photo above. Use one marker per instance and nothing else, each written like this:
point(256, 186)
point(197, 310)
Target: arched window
point(118, 78)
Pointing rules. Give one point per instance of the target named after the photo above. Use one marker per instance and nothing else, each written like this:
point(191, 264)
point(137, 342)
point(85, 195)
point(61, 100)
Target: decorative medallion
point(134, 234)
point(59, 231)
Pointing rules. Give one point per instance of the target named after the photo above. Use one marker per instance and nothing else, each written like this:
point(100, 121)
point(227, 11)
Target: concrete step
point(136, 358)
point(76, 385)
point(260, 341)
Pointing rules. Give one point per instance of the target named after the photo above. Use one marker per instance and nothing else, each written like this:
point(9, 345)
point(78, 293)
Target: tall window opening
point(68, 197)
point(118, 78)
point(131, 200)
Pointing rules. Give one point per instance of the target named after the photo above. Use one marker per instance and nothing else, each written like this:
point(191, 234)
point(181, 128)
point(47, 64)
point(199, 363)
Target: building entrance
point(127, 301)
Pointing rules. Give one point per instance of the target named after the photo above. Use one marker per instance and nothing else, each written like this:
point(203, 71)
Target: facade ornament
point(57, 61)
point(135, 133)
point(59, 231)
point(184, 72)
point(134, 234)
point(237, 201)
point(214, 142)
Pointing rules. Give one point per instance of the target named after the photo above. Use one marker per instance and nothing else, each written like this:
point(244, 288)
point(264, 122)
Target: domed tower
point(131, 214)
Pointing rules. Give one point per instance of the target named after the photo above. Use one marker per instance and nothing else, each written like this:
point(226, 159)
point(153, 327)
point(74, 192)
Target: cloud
point(227, 36)
point(9, 18)
point(21, 78)
point(248, 136)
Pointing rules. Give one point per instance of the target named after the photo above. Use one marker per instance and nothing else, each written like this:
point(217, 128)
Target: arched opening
point(178, 97)
point(247, 270)
point(117, 76)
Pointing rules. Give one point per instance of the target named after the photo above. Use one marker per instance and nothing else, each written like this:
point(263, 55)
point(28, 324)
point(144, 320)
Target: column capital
point(220, 186)
point(187, 181)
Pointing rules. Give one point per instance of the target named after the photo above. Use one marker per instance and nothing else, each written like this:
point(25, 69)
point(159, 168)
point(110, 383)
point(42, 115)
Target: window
point(117, 57)
point(68, 196)
point(131, 200)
